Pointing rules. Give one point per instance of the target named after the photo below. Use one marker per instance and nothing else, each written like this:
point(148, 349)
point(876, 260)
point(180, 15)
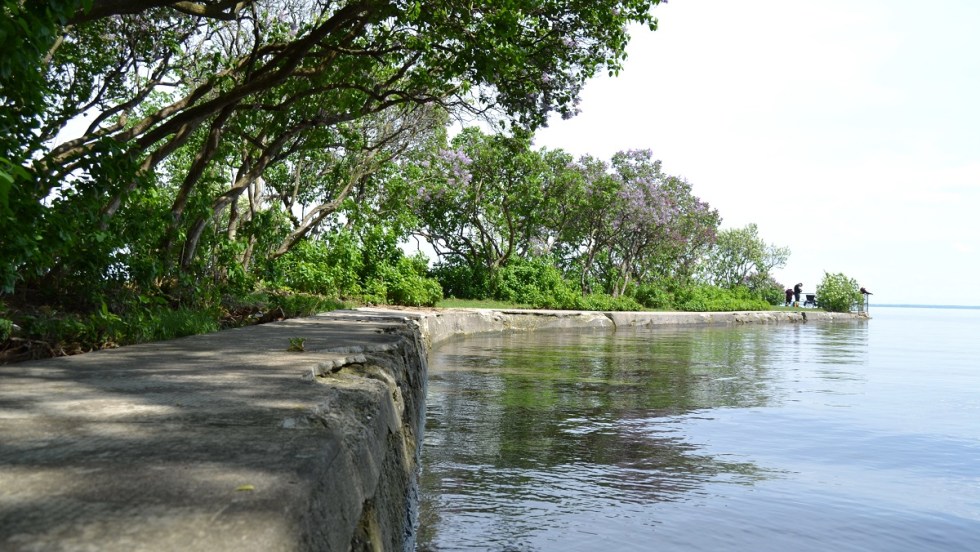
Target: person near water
point(797, 290)
point(789, 296)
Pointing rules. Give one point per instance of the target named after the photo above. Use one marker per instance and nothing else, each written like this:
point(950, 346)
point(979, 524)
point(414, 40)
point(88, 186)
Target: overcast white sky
point(847, 130)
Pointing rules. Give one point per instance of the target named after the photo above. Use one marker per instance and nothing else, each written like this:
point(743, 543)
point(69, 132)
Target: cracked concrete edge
point(374, 400)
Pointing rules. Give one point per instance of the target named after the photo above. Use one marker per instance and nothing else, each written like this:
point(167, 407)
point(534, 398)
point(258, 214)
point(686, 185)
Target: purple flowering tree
point(636, 224)
point(487, 198)
point(663, 227)
point(589, 236)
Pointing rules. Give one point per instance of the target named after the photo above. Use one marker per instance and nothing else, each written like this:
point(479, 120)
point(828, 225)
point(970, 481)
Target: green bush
point(461, 281)
point(535, 282)
point(766, 287)
point(55, 328)
point(147, 318)
point(837, 292)
point(162, 323)
point(707, 298)
point(102, 329)
point(372, 292)
point(6, 329)
point(654, 296)
point(371, 268)
point(407, 283)
point(301, 304)
point(415, 292)
point(538, 283)
point(322, 268)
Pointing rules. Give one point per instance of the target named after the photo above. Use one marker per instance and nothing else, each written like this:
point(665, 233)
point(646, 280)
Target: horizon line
point(924, 306)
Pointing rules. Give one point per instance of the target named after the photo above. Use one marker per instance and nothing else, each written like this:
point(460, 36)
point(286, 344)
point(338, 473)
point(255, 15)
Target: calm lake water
point(845, 436)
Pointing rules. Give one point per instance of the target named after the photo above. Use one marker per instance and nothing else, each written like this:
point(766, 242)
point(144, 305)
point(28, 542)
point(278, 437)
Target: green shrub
point(460, 280)
point(162, 323)
point(837, 292)
point(6, 329)
point(415, 292)
point(147, 318)
point(654, 296)
point(535, 282)
point(301, 304)
point(74, 332)
point(319, 267)
point(105, 329)
point(407, 283)
point(707, 298)
point(370, 268)
point(766, 287)
point(374, 292)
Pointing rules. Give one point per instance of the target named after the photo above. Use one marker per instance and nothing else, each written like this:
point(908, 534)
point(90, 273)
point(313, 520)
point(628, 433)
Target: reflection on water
point(698, 438)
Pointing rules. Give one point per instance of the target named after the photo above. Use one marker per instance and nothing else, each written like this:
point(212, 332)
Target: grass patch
point(453, 303)
point(46, 332)
point(796, 309)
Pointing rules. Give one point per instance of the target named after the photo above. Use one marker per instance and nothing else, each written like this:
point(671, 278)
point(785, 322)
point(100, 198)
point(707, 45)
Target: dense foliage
point(200, 116)
point(174, 167)
point(369, 268)
point(172, 152)
point(487, 202)
point(740, 257)
point(539, 228)
point(838, 293)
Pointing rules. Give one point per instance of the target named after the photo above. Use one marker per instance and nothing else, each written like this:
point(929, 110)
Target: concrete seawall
point(439, 325)
point(227, 441)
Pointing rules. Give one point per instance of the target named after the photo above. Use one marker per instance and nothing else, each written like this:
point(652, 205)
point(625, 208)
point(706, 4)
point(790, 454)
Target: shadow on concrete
point(200, 443)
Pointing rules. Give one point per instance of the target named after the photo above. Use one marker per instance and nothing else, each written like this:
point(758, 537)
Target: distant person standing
point(797, 290)
point(789, 296)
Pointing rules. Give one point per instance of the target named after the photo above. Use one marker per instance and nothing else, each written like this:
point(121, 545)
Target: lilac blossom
point(456, 163)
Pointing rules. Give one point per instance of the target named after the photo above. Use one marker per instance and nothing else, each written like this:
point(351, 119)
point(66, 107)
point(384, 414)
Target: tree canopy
point(740, 254)
point(484, 200)
point(159, 155)
point(190, 106)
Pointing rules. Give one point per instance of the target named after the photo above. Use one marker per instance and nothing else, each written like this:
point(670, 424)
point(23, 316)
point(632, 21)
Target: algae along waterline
point(830, 436)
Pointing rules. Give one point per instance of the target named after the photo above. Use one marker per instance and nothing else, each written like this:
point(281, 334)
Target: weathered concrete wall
point(227, 442)
point(446, 324)
point(375, 405)
point(219, 442)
